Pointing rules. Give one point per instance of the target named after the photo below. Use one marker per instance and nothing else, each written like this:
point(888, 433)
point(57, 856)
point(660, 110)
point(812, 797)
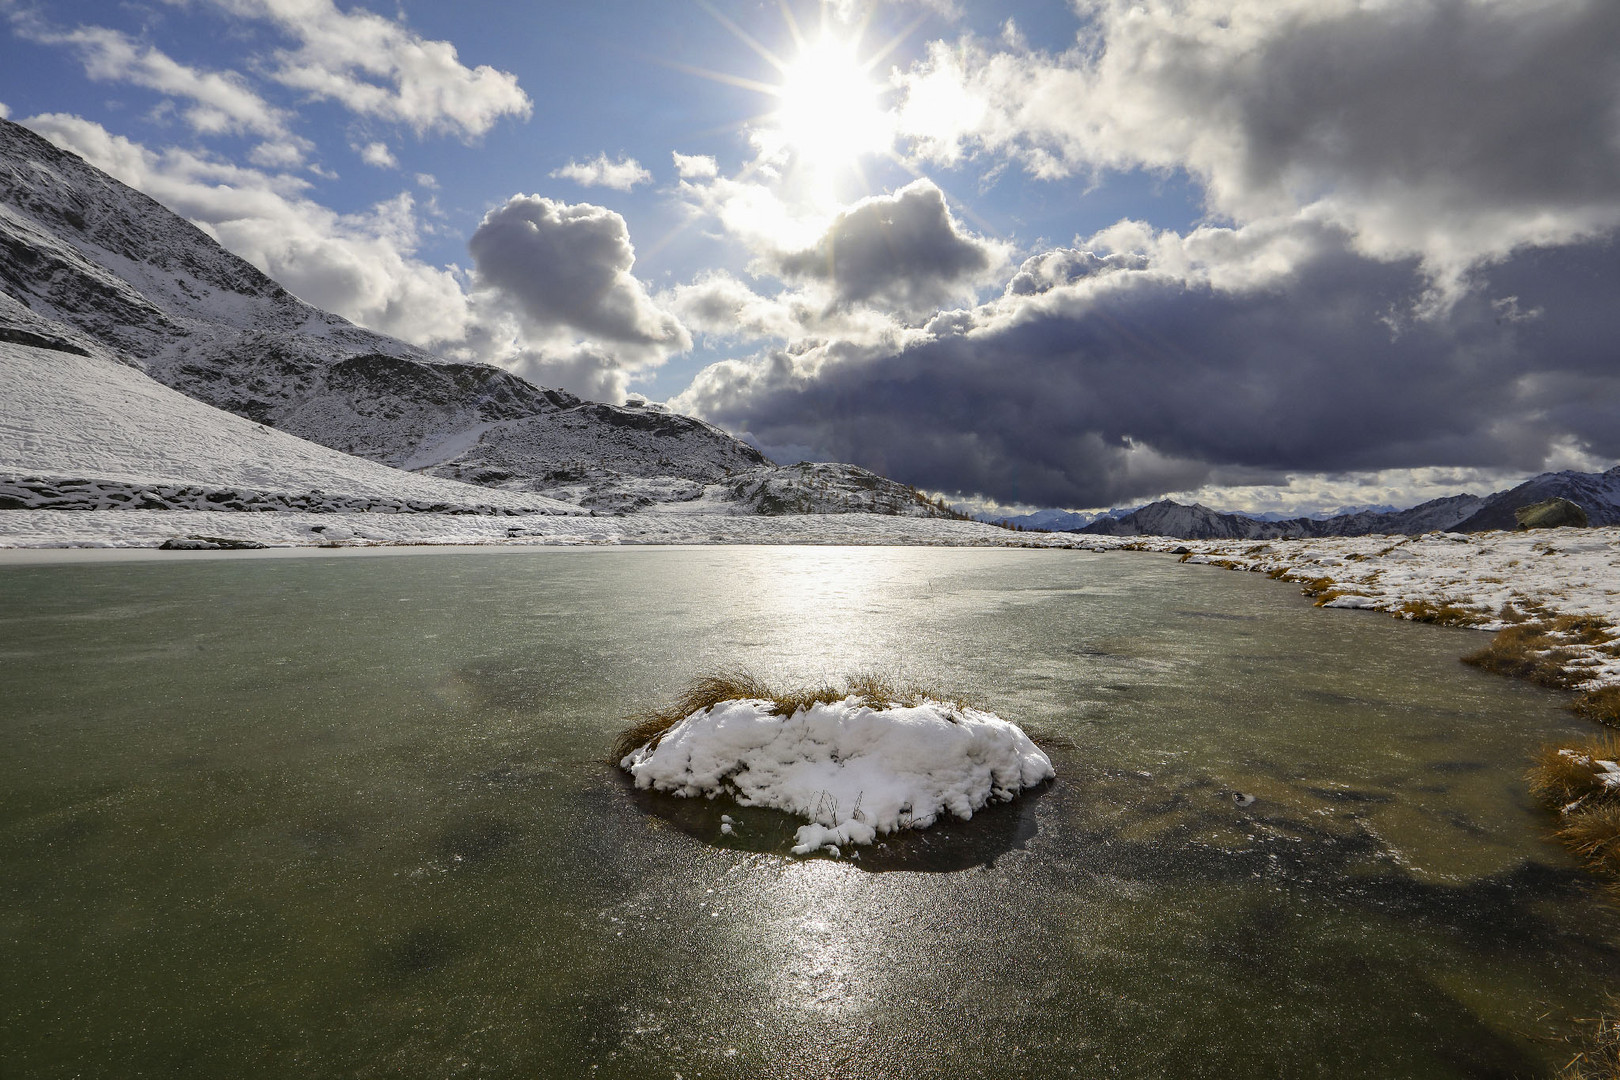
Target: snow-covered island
point(855, 768)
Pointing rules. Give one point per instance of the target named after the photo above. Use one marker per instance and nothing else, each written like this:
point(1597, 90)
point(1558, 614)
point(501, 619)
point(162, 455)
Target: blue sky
point(1297, 254)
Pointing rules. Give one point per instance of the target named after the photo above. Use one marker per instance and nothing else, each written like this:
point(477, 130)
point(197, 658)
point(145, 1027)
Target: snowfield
point(852, 771)
point(70, 417)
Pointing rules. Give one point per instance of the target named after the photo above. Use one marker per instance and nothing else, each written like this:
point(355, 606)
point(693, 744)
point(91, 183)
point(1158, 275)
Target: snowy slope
point(65, 417)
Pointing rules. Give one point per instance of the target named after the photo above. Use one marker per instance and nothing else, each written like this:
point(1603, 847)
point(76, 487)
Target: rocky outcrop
point(1551, 514)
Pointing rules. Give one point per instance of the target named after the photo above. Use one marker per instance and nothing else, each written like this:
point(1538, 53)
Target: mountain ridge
point(90, 266)
point(1596, 493)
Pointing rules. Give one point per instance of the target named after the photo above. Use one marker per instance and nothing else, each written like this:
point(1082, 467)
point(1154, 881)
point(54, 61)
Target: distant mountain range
point(92, 268)
point(1596, 493)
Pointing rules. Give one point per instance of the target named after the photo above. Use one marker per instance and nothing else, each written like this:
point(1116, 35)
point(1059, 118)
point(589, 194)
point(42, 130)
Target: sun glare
point(830, 113)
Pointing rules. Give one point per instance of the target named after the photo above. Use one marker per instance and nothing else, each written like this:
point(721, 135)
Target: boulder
point(1550, 514)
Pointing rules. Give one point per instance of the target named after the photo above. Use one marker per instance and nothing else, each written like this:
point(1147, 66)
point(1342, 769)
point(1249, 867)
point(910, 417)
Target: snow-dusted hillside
point(92, 266)
point(84, 431)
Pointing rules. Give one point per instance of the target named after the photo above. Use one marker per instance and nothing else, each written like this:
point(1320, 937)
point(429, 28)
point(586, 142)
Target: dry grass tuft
point(1600, 705)
point(1566, 779)
point(1509, 613)
point(1317, 586)
point(1600, 1060)
point(1425, 611)
point(1541, 651)
point(1558, 779)
point(1595, 834)
point(710, 690)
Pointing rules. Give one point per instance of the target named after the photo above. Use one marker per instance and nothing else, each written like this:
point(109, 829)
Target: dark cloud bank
point(1318, 372)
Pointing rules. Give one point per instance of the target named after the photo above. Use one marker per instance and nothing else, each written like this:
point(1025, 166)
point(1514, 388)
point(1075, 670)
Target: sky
point(1269, 255)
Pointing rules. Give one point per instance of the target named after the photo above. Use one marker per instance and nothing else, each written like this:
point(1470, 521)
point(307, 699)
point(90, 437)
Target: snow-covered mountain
point(1596, 493)
point(90, 267)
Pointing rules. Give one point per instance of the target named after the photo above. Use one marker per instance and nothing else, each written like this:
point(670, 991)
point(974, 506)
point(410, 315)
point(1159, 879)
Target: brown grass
point(1317, 586)
point(1425, 611)
point(648, 728)
point(1600, 1060)
point(1600, 705)
point(1594, 835)
point(1589, 811)
point(1558, 780)
point(1541, 651)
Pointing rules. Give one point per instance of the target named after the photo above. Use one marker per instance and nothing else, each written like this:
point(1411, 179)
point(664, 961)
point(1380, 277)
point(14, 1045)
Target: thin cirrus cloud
point(621, 175)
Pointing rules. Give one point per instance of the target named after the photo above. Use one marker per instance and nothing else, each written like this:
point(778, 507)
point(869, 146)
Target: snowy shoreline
point(1486, 581)
point(1481, 580)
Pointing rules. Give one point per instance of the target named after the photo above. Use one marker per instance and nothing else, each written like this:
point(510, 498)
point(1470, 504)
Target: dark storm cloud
point(1510, 104)
point(568, 266)
point(1134, 383)
point(903, 251)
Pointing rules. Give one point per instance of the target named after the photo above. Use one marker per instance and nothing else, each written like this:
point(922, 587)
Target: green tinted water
point(348, 816)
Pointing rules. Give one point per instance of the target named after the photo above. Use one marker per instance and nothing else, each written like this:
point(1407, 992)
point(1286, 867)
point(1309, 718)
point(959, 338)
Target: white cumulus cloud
point(378, 67)
point(378, 155)
point(568, 266)
point(221, 102)
point(695, 166)
point(1454, 131)
point(621, 175)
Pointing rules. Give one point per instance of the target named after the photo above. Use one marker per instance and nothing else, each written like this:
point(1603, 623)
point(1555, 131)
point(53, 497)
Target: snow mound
point(853, 771)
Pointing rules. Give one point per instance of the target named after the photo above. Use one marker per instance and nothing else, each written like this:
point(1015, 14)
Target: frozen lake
point(351, 816)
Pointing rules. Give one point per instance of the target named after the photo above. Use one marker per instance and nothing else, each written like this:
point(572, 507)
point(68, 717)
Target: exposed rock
point(1551, 514)
point(208, 543)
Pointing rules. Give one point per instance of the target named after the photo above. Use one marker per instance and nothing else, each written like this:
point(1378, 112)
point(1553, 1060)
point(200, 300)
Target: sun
point(830, 112)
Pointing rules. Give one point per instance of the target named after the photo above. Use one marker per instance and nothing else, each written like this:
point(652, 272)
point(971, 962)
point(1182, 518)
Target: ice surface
point(855, 772)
